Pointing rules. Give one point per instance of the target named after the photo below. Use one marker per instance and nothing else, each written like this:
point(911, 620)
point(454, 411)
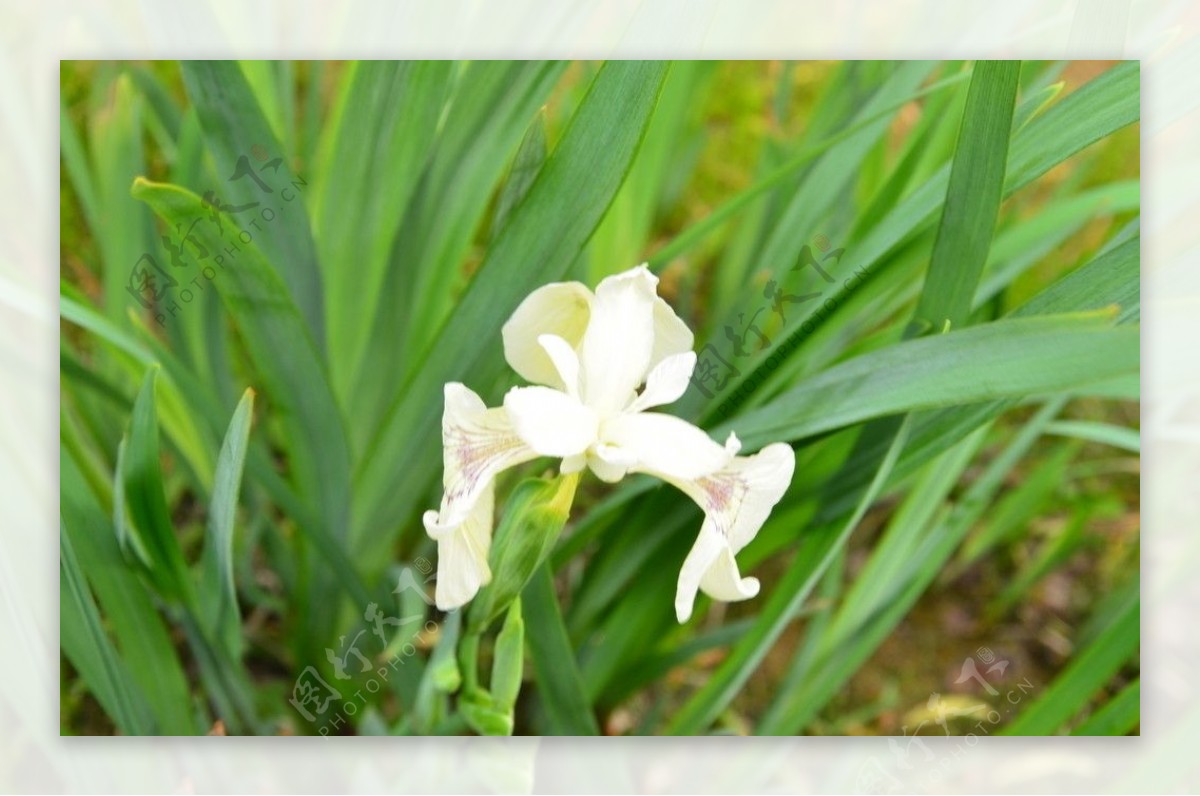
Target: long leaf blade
point(973, 196)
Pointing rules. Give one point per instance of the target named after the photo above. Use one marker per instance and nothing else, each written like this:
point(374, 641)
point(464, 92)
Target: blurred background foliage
point(1004, 528)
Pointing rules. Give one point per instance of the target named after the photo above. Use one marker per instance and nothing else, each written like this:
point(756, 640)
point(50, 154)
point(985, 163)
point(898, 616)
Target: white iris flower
point(590, 353)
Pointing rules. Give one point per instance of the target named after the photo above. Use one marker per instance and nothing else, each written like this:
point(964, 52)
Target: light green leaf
point(972, 198)
point(88, 648)
point(1004, 359)
point(379, 138)
point(1088, 671)
point(141, 478)
point(216, 564)
point(560, 686)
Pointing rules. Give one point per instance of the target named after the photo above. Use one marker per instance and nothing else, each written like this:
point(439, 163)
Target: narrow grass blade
point(1096, 109)
point(871, 614)
point(1129, 439)
point(127, 604)
point(490, 109)
point(88, 648)
point(141, 478)
point(1119, 716)
point(382, 129)
point(216, 563)
point(122, 231)
point(972, 198)
point(1088, 671)
point(531, 154)
point(1009, 358)
point(560, 687)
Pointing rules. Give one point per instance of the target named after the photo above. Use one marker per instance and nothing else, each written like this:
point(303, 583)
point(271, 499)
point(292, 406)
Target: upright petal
point(737, 499)
point(667, 382)
point(566, 361)
point(477, 444)
point(619, 339)
point(551, 422)
point(561, 309)
point(671, 335)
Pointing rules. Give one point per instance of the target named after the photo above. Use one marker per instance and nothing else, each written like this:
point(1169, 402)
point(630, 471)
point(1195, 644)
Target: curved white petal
point(615, 354)
point(671, 335)
point(609, 462)
point(667, 382)
point(710, 566)
point(561, 309)
point(565, 360)
point(462, 553)
point(551, 422)
point(477, 444)
point(737, 499)
point(722, 581)
point(665, 446)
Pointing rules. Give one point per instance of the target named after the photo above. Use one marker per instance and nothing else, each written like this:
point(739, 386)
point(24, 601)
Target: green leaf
point(1004, 359)
point(1011, 515)
point(1021, 246)
point(508, 659)
point(239, 137)
point(88, 648)
point(559, 684)
point(127, 604)
point(141, 478)
point(1110, 279)
point(490, 108)
point(1078, 112)
point(296, 390)
point(1099, 107)
point(689, 237)
point(484, 715)
point(122, 231)
point(972, 198)
point(1118, 716)
point(378, 140)
point(441, 677)
point(1129, 439)
point(271, 85)
point(872, 609)
point(216, 564)
point(546, 233)
point(521, 174)
point(1088, 671)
